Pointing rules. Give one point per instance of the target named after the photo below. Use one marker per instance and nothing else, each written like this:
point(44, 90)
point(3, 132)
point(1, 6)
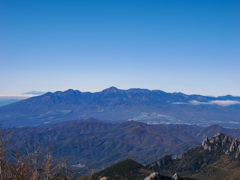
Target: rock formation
point(104, 178)
point(228, 144)
point(176, 177)
point(205, 141)
point(152, 176)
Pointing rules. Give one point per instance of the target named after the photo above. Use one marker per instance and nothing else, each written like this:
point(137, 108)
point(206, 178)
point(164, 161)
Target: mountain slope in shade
point(104, 144)
point(90, 142)
point(127, 169)
point(4, 102)
point(217, 158)
point(117, 105)
point(132, 170)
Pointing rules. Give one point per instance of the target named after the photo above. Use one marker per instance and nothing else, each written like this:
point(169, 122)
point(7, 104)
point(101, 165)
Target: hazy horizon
point(38, 93)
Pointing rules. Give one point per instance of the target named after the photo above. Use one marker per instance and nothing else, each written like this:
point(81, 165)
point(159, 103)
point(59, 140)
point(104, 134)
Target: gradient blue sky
point(189, 46)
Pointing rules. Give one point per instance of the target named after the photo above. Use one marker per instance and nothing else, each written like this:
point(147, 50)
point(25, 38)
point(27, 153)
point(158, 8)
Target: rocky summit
point(217, 158)
point(221, 141)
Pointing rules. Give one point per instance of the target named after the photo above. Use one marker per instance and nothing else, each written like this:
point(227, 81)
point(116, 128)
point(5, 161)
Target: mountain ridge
point(217, 158)
point(151, 106)
point(91, 142)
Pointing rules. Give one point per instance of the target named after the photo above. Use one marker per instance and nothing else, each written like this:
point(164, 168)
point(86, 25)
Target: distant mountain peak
point(139, 90)
point(118, 105)
point(34, 93)
point(112, 89)
point(71, 91)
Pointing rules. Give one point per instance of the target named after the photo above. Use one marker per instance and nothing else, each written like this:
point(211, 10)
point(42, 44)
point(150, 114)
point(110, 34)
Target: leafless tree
point(31, 163)
point(4, 160)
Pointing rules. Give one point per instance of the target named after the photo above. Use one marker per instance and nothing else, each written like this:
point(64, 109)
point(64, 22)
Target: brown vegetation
point(31, 163)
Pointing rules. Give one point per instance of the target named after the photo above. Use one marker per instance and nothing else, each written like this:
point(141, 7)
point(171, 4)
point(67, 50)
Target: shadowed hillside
point(217, 158)
point(90, 142)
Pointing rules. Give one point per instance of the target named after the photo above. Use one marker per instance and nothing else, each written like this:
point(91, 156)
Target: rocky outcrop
point(176, 176)
point(104, 178)
point(221, 141)
point(205, 141)
point(152, 176)
point(234, 145)
point(217, 158)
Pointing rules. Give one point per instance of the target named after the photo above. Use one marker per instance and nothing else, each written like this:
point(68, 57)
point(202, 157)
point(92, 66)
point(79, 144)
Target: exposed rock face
point(217, 158)
point(104, 178)
point(152, 176)
point(176, 177)
point(205, 141)
point(234, 145)
point(220, 140)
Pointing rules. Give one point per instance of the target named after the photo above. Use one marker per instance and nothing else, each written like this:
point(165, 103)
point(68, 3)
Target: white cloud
point(217, 102)
point(224, 103)
point(15, 96)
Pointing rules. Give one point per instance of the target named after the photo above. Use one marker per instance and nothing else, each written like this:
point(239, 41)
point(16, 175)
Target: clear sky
point(189, 46)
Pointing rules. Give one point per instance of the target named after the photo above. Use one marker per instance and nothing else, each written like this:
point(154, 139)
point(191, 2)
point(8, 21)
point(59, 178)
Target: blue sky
point(188, 46)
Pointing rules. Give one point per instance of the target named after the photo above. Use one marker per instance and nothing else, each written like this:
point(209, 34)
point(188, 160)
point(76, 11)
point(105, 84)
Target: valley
point(89, 142)
point(217, 158)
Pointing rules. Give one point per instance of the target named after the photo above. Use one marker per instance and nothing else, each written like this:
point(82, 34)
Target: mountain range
point(93, 143)
point(127, 169)
point(217, 158)
point(115, 105)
